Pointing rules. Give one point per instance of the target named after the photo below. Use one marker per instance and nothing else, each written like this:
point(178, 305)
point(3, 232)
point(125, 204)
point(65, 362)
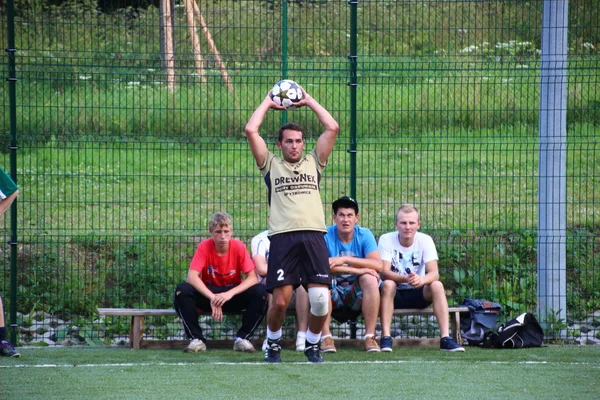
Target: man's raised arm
point(257, 143)
point(326, 141)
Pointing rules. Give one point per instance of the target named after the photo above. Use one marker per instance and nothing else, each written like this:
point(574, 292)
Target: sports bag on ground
point(523, 331)
point(480, 320)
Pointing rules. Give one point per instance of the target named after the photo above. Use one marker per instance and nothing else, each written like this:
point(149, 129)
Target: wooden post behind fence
point(198, 60)
point(212, 46)
point(167, 46)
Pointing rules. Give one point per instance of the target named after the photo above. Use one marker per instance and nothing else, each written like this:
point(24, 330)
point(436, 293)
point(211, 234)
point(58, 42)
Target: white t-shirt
point(260, 246)
point(407, 259)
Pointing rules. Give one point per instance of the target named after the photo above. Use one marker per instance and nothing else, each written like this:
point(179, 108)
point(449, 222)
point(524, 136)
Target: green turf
point(554, 372)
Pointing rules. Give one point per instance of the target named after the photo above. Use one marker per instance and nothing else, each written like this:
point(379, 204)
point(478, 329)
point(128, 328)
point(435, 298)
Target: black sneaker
point(386, 343)
point(273, 351)
point(313, 352)
point(448, 344)
point(7, 350)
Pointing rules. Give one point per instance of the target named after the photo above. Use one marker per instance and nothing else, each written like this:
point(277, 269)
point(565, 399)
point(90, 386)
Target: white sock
point(368, 335)
point(313, 337)
point(301, 335)
point(273, 335)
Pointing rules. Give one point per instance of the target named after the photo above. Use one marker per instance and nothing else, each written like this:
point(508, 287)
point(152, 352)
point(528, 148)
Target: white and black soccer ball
point(286, 93)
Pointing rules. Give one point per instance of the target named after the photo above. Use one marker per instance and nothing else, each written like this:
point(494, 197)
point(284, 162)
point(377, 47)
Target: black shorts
point(298, 258)
point(410, 298)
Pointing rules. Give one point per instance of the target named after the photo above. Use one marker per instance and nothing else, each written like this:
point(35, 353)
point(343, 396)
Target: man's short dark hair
point(345, 202)
point(289, 126)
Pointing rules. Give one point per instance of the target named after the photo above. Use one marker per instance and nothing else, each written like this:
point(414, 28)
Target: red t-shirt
point(222, 270)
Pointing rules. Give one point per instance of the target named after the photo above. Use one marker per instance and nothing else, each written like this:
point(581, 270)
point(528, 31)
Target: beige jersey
point(294, 196)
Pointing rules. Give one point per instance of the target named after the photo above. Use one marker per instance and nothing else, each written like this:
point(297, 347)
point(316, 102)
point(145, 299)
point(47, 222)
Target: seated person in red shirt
point(214, 282)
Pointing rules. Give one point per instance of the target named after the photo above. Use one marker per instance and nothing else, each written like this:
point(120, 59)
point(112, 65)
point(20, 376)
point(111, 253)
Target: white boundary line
point(262, 363)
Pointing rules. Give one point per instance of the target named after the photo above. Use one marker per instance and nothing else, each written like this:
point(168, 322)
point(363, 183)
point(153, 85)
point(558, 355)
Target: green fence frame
point(438, 103)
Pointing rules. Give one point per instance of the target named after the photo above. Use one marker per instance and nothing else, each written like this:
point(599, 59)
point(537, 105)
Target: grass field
point(553, 372)
point(422, 66)
point(475, 183)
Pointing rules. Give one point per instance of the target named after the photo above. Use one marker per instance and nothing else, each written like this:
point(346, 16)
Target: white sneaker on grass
point(265, 346)
point(243, 345)
point(195, 346)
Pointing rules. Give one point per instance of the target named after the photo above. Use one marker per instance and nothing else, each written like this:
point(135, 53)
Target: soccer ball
point(285, 93)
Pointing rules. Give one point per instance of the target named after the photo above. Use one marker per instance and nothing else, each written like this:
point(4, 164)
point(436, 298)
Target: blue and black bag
point(480, 320)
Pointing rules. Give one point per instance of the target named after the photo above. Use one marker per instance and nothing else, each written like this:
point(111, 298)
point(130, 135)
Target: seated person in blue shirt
point(355, 265)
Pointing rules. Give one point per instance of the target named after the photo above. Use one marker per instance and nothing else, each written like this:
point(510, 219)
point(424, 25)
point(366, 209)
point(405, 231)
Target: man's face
point(345, 219)
point(222, 235)
point(407, 224)
point(291, 145)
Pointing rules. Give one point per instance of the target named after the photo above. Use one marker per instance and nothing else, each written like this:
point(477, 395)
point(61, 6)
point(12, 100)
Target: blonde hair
point(219, 219)
point(408, 208)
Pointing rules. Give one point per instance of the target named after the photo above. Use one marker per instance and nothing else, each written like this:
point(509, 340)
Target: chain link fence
point(128, 133)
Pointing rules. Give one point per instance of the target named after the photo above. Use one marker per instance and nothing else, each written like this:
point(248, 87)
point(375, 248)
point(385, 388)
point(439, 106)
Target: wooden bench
point(137, 315)
point(136, 329)
point(454, 318)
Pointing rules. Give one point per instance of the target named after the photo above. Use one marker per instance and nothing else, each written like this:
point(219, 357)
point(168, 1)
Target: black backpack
point(523, 331)
point(479, 321)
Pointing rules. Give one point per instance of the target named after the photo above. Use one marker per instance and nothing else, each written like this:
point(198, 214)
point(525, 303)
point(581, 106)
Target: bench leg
point(136, 331)
point(131, 324)
point(352, 329)
point(455, 325)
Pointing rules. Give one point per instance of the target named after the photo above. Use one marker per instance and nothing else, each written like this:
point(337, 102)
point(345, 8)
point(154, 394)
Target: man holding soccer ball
point(298, 254)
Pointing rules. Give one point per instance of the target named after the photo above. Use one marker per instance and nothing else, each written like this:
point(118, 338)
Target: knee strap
point(318, 298)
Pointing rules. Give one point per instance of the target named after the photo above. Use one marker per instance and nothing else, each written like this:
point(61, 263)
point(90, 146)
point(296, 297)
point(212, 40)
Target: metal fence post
point(353, 84)
point(552, 194)
point(12, 98)
point(284, 49)
point(353, 57)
